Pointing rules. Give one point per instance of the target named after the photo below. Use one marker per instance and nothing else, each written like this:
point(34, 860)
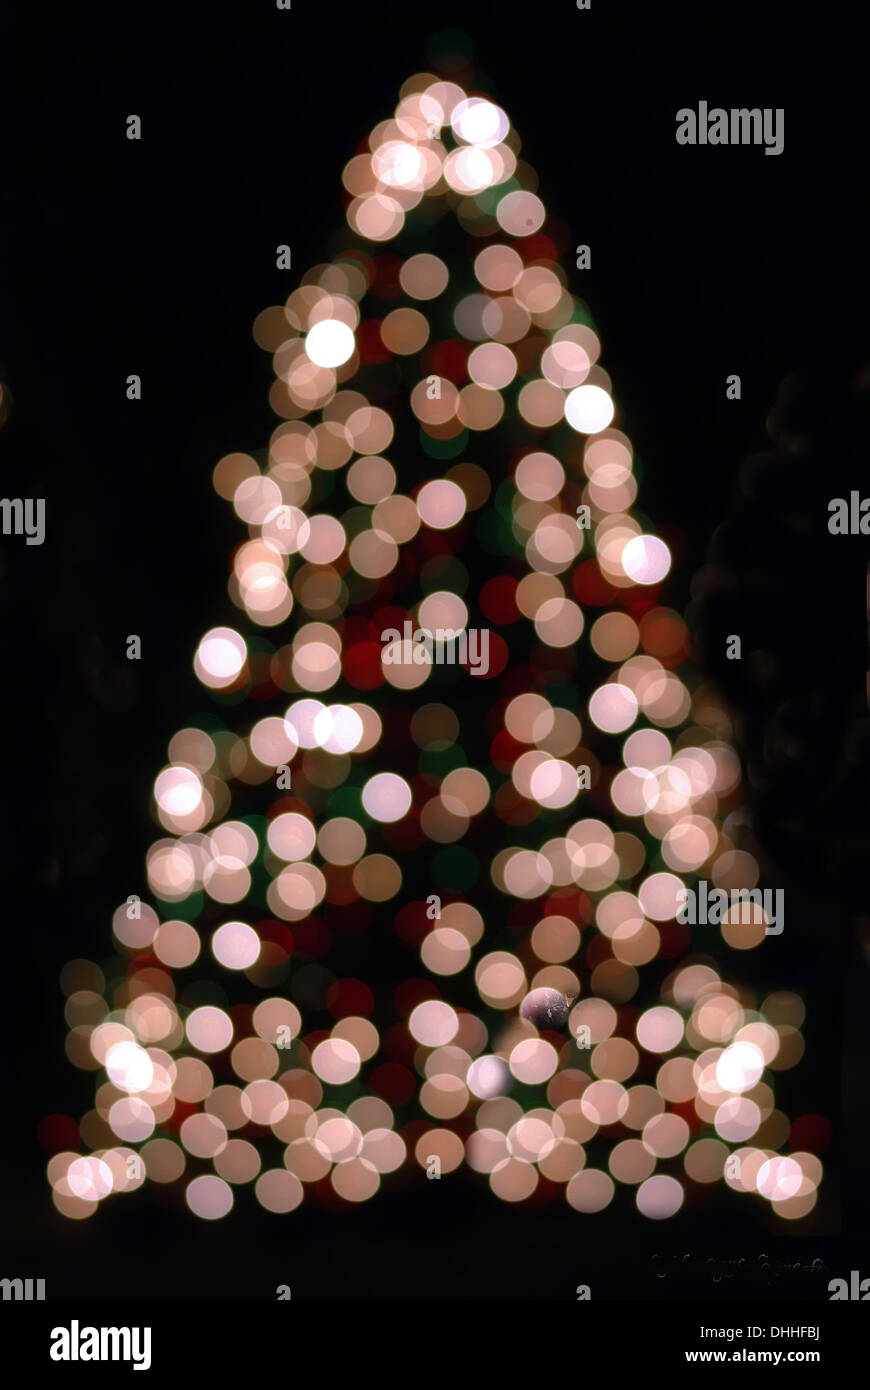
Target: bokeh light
point(441, 416)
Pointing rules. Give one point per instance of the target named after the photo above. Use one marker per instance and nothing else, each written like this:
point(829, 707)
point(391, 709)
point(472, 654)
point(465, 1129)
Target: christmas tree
point(418, 900)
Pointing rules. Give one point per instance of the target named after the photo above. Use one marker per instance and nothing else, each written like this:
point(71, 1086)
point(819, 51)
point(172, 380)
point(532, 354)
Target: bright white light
point(330, 343)
point(646, 559)
point(90, 1179)
point(338, 729)
point(588, 409)
point(739, 1067)
point(488, 1076)
point(386, 797)
point(129, 1067)
point(613, 707)
point(474, 168)
point(479, 122)
point(397, 164)
point(299, 722)
point(178, 791)
point(220, 657)
point(236, 945)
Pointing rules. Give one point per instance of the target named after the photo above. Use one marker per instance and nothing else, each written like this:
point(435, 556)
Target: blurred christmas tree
point(456, 756)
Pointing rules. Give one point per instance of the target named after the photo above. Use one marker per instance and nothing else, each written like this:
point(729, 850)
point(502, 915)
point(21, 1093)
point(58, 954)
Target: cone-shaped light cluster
point(440, 397)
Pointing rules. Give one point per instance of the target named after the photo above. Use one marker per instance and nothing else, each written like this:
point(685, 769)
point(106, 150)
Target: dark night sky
point(155, 258)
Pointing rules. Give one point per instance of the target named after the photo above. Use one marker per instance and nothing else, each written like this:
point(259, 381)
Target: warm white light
point(739, 1067)
point(338, 729)
point(220, 657)
point(236, 945)
point(129, 1067)
point(480, 122)
point(488, 1076)
point(613, 707)
point(386, 797)
point(646, 559)
point(588, 409)
point(398, 164)
point(330, 343)
point(178, 791)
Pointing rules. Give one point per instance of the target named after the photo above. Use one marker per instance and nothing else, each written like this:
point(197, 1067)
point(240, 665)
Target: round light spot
point(740, 1067)
point(487, 1077)
point(441, 504)
point(646, 559)
point(520, 213)
point(209, 1197)
point(209, 1029)
point(291, 836)
point(433, 1023)
point(386, 797)
point(588, 409)
point(330, 343)
point(220, 657)
point(660, 1029)
point(236, 945)
point(613, 707)
point(659, 1197)
point(335, 1061)
point(479, 122)
point(129, 1067)
point(178, 791)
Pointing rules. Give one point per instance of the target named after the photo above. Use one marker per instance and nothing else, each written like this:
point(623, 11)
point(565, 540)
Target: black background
point(154, 257)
